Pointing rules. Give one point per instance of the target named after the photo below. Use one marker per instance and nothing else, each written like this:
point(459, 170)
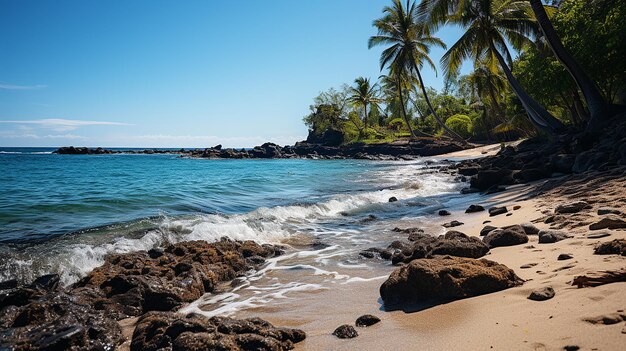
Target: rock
point(469, 191)
point(452, 224)
point(35, 318)
point(495, 189)
point(8, 284)
point(367, 320)
point(542, 294)
point(604, 211)
point(460, 245)
point(508, 236)
point(516, 207)
point(170, 331)
point(598, 235)
point(444, 213)
point(137, 282)
point(487, 178)
point(551, 236)
point(345, 331)
point(563, 257)
point(612, 222)
point(487, 229)
point(531, 174)
point(444, 278)
point(530, 229)
point(562, 163)
point(572, 207)
point(494, 211)
point(474, 208)
point(393, 199)
point(615, 247)
point(571, 348)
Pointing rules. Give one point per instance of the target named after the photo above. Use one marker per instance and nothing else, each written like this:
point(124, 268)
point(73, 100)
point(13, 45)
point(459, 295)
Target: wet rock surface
point(171, 331)
point(345, 331)
point(45, 316)
point(444, 278)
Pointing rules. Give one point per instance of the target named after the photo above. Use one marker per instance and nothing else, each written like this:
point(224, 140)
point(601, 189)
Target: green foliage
point(461, 124)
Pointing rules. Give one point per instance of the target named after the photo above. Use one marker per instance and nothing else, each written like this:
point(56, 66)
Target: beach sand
point(505, 320)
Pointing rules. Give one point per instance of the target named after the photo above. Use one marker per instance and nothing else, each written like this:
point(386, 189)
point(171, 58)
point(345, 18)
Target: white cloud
point(64, 125)
point(21, 87)
point(166, 140)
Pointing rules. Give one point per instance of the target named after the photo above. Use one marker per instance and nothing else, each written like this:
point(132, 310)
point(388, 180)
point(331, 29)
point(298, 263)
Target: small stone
point(516, 207)
point(572, 207)
point(444, 213)
point(393, 199)
point(571, 348)
point(542, 294)
point(367, 320)
point(605, 211)
point(452, 224)
point(474, 208)
point(345, 331)
point(563, 257)
point(598, 235)
point(528, 265)
point(494, 211)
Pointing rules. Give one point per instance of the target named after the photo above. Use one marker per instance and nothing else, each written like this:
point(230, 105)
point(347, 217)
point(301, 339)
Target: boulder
point(530, 229)
point(551, 236)
point(444, 278)
point(487, 178)
point(367, 320)
point(508, 236)
point(460, 245)
point(170, 331)
point(487, 229)
point(345, 331)
point(542, 294)
point(611, 222)
point(474, 208)
point(572, 207)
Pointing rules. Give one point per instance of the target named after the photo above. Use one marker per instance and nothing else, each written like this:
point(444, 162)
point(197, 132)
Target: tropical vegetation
point(536, 69)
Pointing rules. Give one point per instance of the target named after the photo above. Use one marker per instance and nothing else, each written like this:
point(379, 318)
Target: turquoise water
point(64, 213)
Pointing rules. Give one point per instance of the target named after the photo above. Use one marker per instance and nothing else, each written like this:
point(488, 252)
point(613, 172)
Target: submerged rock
point(170, 331)
point(445, 278)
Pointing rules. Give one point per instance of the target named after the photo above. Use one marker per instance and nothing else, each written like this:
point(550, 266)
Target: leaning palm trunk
point(403, 108)
point(539, 117)
point(598, 107)
point(432, 110)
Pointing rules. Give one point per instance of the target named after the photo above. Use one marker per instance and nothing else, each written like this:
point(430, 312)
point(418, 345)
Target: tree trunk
point(598, 107)
point(443, 125)
point(406, 119)
point(540, 118)
point(365, 116)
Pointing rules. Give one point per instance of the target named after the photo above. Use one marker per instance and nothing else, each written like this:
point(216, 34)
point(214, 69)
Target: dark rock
point(495, 189)
point(460, 245)
point(605, 211)
point(571, 348)
point(530, 229)
point(598, 235)
point(563, 257)
point(367, 320)
point(8, 284)
point(393, 199)
point(345, 331)
point(508, 236)
point(615, 247)
point(444, 213)
point(170, 331)
point(487, 178)
point(612, 222)
point(443, 278)
point(469, 190)
point(452, 224)
point(551, 236)
point(138, 282)
point(542, 294)
point(562, 163)
point(495, 211)
point(531, 174)
point(487, 229)
point(474, 208)
point(572, 207)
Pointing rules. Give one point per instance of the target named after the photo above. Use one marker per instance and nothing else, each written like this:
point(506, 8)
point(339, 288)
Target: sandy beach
point(505, 320)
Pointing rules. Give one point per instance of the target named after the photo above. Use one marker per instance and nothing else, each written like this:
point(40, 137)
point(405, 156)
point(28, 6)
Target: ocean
point(63, 213)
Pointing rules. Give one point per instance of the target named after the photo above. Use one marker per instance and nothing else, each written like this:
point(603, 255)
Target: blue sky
point(149, 73)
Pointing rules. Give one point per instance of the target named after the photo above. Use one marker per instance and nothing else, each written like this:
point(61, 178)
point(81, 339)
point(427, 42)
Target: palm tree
point(409, 45)
point(599, 109)
point(363, 94)
point(490, 25)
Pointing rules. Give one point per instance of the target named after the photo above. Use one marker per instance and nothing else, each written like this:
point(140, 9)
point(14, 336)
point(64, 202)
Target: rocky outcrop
point(615, 247)
point(445, 278)
point(170, 331)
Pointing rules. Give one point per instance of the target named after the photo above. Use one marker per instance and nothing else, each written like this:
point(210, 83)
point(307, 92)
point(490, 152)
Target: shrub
point(461, 124)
